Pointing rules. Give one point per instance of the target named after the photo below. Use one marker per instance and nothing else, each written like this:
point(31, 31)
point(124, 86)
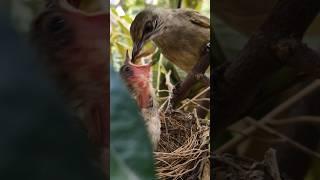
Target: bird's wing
point(197, 18)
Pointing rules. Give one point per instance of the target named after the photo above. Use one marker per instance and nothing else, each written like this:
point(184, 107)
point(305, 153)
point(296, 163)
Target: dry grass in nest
point(183, 151)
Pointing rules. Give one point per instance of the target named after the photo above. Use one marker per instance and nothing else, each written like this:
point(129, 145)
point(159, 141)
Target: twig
point(159, 74)
point(238, 85)
point(286, 138)
point(262, 139)
point(228, 162)
point(170, 89)
point(295, 120)
point(203, 99)
point(271, 162)
point(179, 4)
point(198, 105)
point(163, 90)
point(282, 107)
point(197, 119)
point(195, 97)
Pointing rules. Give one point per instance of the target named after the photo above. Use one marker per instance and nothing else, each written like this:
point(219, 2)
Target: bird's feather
point(197, 18)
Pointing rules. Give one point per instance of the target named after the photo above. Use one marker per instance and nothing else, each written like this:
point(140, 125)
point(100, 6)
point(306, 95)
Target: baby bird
point(138, 81)
point(72, 45)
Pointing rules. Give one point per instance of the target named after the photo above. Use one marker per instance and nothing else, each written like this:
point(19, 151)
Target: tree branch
point(227, 147)
point(299, 56)
point(236, 88)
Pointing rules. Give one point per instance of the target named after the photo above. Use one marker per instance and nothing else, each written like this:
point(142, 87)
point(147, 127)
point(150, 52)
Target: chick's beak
point(136, 49)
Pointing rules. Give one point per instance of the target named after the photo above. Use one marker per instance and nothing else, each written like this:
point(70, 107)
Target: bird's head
point(137, 78)
point(146, 26)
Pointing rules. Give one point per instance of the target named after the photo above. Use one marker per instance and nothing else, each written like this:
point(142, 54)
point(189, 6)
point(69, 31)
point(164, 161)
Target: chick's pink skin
point(86, 60)
point(141, 84)
point(80, 67)
point(137, 78)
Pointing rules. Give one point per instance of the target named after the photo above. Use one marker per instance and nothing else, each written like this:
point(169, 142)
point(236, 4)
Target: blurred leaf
point(129, 143)
point(229, 39)
point(173, 3)
point(193, 4)
point(119, 170)
point(123, 28)
point(122, 48)
point(128, 19)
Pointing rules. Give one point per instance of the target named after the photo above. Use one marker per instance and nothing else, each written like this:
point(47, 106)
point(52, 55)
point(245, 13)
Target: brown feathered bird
point(73, 45)
point(181, 34)
point(138, 80)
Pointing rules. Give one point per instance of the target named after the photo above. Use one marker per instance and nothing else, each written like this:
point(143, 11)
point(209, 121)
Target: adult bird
point(73, 47)
point(182, 35)
point(138, 81)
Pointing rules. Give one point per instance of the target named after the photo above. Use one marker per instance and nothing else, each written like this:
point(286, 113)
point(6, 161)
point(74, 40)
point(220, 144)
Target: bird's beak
point(136, 49)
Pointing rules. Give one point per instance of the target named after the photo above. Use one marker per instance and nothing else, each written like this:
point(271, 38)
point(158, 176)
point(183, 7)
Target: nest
point(228, 166)
point(183, 150)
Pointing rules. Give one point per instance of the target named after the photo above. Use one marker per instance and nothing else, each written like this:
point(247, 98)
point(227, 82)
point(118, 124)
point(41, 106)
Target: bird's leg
point(196, 74)
point(203, 78)
point(204, 107)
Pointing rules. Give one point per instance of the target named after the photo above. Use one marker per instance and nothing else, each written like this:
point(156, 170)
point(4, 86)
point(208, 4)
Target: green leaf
point(124, 29)
point(122, 48)
point(130, 147)
point(119, 170)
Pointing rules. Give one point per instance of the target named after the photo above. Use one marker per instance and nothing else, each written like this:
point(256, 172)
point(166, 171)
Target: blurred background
point(39, 138)
point(234, 23)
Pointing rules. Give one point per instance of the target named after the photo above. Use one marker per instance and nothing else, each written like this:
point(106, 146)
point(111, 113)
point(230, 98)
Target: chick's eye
point(148, 27)
point(126, 69)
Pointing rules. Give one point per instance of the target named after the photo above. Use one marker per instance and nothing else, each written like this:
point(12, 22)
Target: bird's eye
point(126, 72)
point(126, 69)
point(148, 27)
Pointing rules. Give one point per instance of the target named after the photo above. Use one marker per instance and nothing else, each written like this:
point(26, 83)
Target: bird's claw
point(203, 78)
point(205, 49)
point(199, 76)
point(208, 46)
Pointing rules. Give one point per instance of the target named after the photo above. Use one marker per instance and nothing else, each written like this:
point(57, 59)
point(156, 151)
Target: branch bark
point(196, 74)
point(299, 56)
point(236, 87)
